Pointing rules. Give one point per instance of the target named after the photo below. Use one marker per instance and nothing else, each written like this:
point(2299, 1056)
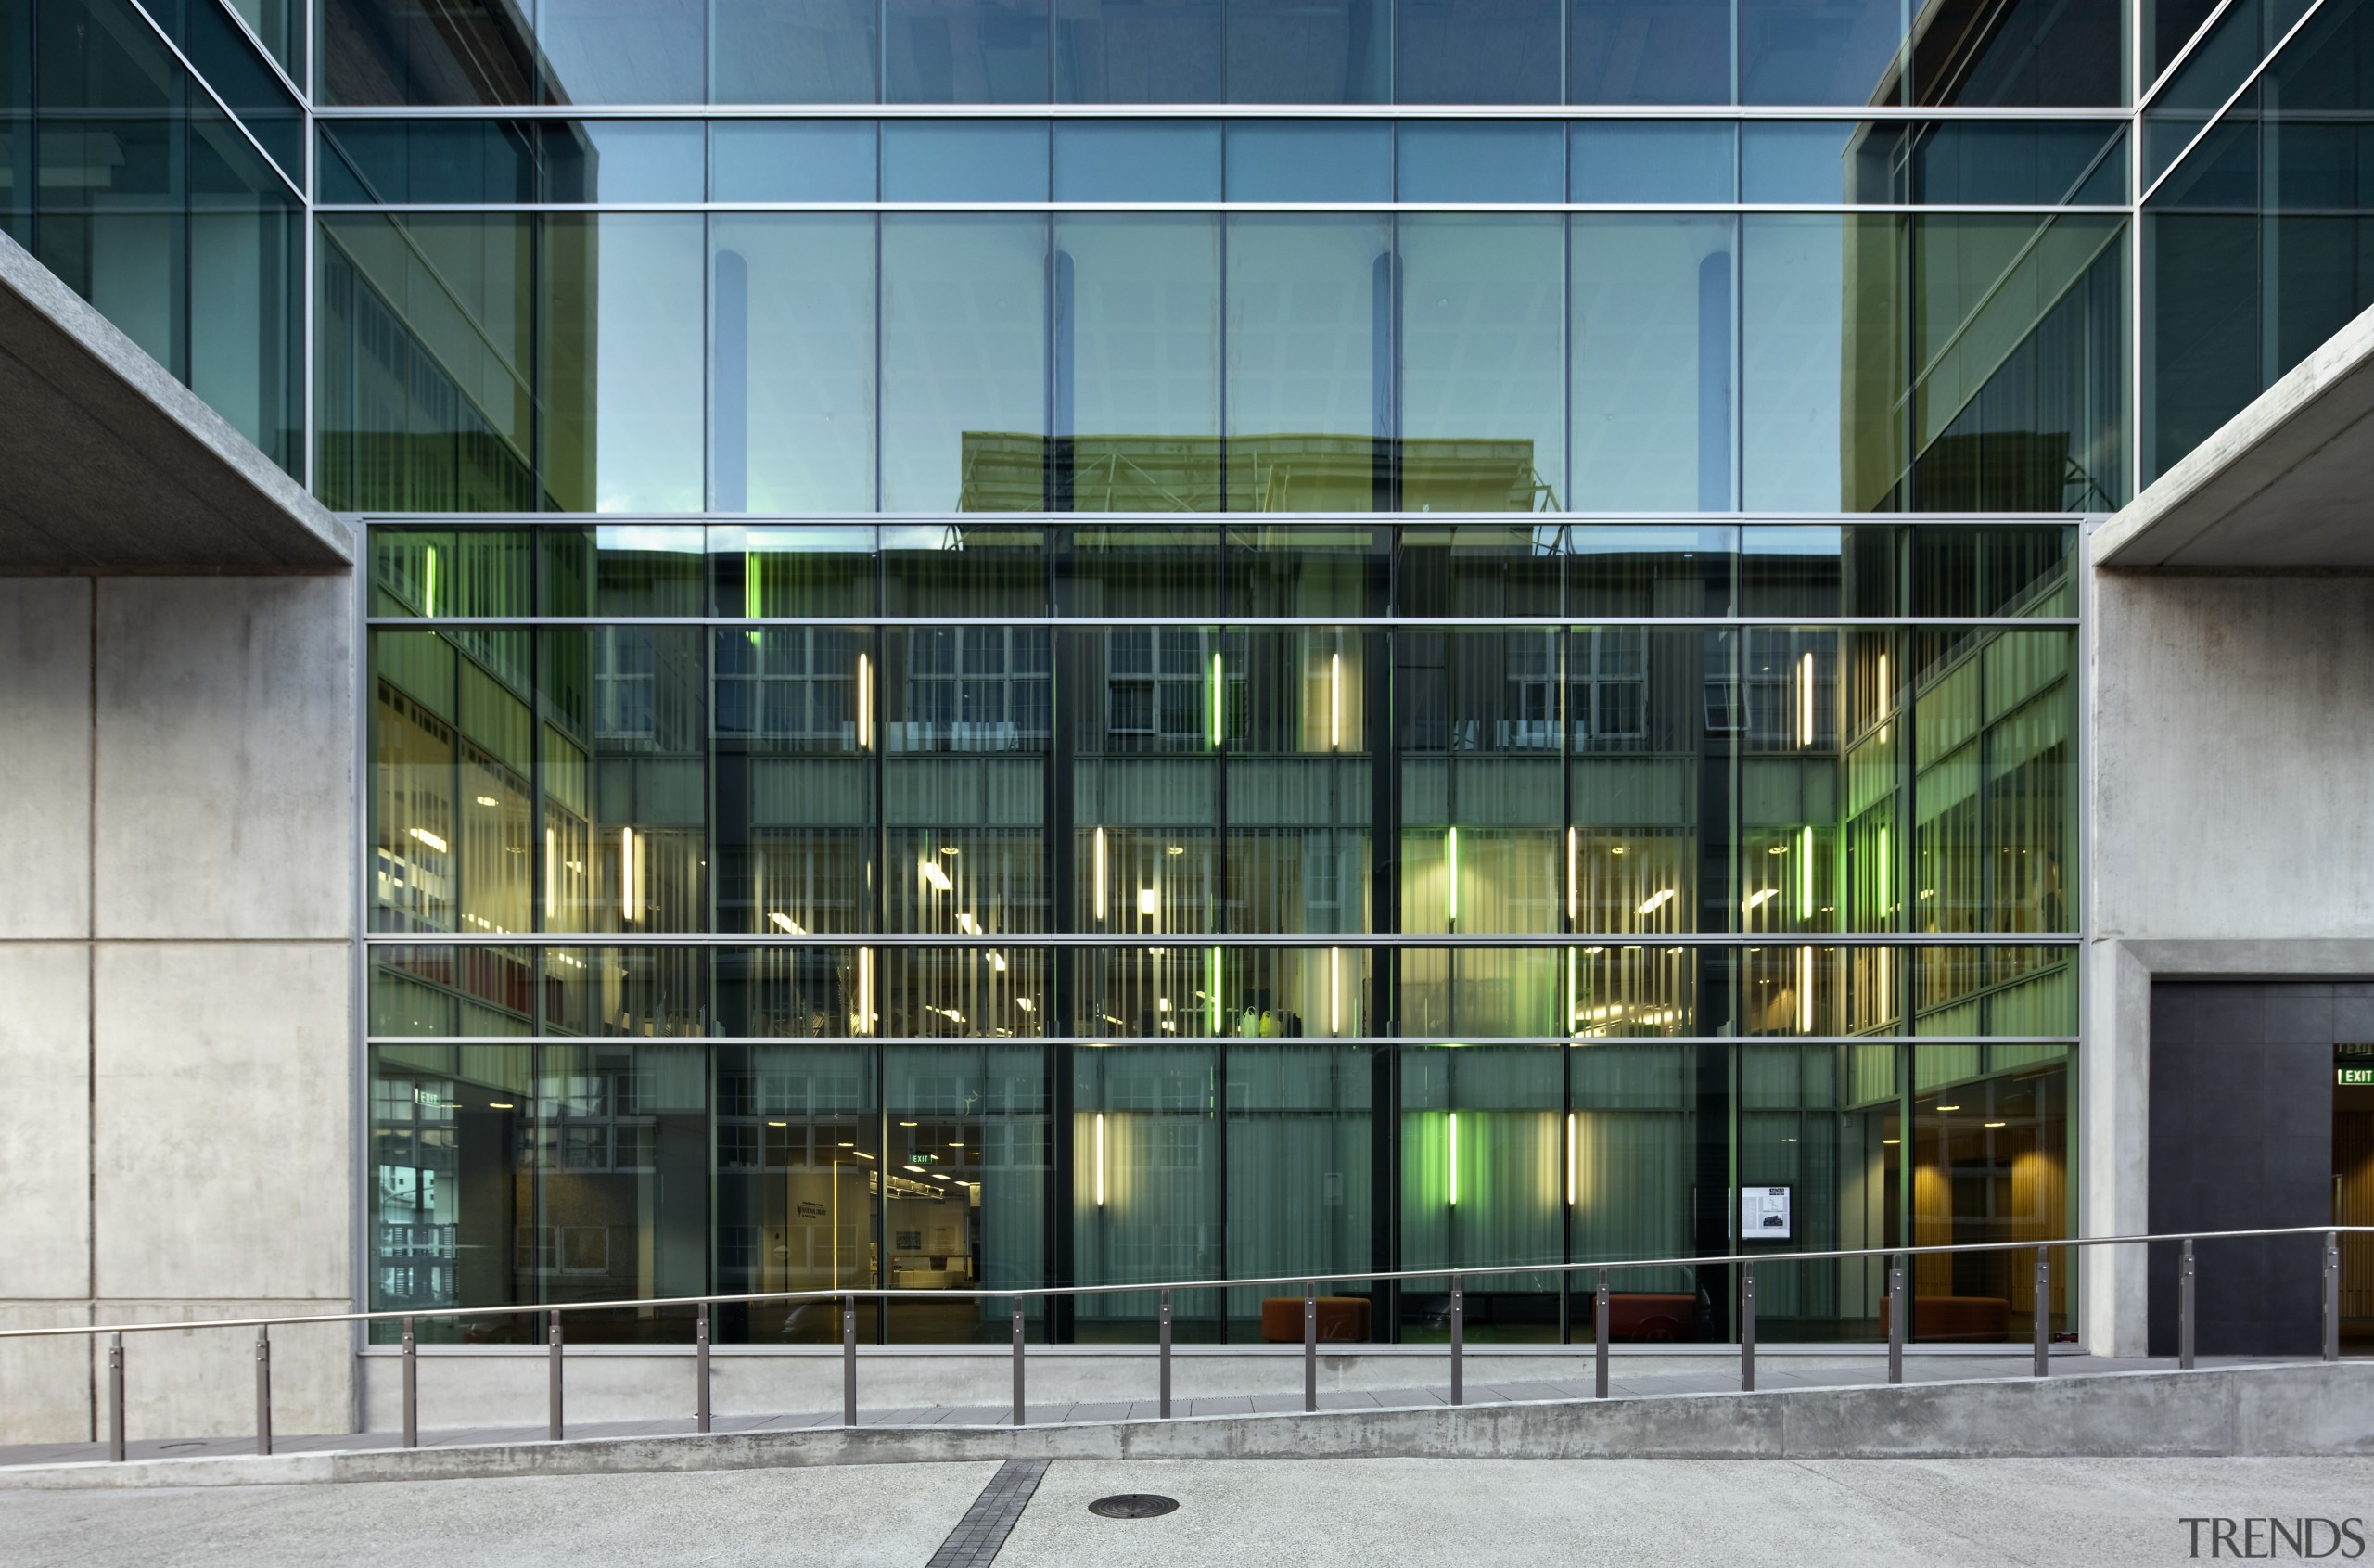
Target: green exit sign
point(2352, 1075)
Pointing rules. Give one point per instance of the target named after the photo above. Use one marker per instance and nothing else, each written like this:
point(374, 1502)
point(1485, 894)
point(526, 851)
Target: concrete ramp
point(2259, 1411)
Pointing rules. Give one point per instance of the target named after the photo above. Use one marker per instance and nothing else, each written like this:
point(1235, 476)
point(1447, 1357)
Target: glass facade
point(953, 698)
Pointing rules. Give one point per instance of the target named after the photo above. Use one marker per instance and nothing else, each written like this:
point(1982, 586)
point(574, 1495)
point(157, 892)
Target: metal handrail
point(1897, 1259)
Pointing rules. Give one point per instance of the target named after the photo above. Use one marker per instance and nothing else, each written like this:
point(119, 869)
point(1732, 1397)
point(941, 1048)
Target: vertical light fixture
point(864, 701)
point(1804, 990)
point(1335, 990)
point(864, 991)
point(428, 582)
point(1100, 874)
point(1450, 882)
point(1335, 702)
point(630, 895)
point(1099, 1159)
point(1884, 872)
point(1883, 704)
point(1216, 699)
point(1805, 701)
point(1574, 887)
point(1212, 992)
point(551, 875)
point(1805, 872)
point(1570, 1159)
point(1454, 1159)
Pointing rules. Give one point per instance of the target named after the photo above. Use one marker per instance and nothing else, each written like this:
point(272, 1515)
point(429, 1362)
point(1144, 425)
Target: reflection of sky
point(647, 365)
point(649, 538)
point(1791, 316)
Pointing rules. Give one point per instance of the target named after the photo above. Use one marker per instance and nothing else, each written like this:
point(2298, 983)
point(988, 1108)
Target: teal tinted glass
point(426, 161)
point(623, 161)
point(1484, 160)
point(964, 161)
point(1652, 161)
point(1137, 160)
point(792, 160)
point(1806, 161)
point(1309, 160)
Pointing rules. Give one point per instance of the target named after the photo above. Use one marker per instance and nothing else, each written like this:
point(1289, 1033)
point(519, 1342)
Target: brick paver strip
point(974, 1541)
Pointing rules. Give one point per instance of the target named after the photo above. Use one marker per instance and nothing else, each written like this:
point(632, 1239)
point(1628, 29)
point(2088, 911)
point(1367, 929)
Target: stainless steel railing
point(1899, 1314)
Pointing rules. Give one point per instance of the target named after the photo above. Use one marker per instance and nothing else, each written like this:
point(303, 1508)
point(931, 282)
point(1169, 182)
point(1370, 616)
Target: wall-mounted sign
point(1764, 1213)
point(2348, 1077)
point(809, 1209)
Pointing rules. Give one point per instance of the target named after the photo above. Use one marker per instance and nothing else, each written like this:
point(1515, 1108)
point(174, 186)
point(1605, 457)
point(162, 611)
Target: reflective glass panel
point(1669, 160)
point(1285, 52)
point(1137, 373)
point(1649, 51)
point(964, 161)
point(1482, 160)
point(792, 160)
point(1310, 361)
point(1137, 160)
point(620, 359)
point(1483, 363)
point(1820, 51)
point(1309, 160)
point(794, 51)
point(965, 52)
point(1653, 401)
point(1124, 51)
point(792, 362)
point(623, 161)
point(622, 51)
point(1476, 51)
point(964, 351)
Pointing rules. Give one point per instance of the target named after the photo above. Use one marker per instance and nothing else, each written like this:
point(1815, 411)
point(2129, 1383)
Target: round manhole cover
point(1133, 1505)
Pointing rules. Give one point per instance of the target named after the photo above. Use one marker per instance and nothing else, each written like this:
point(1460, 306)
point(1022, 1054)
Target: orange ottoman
point(1341, 1318)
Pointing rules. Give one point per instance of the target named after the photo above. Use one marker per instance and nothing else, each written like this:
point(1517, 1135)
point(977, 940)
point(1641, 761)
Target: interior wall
point(176, 958)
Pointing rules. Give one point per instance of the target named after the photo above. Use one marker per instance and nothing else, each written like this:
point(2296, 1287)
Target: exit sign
point(2348, 1076)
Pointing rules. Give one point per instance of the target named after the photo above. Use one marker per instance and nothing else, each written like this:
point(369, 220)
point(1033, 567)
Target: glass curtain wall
point(959, 907)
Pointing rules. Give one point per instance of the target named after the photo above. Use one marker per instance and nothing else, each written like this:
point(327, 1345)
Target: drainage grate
point(1133, 1505)
point(974, 1541)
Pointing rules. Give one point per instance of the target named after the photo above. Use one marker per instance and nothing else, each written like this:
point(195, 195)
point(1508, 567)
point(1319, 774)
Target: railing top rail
point(1356, 1276)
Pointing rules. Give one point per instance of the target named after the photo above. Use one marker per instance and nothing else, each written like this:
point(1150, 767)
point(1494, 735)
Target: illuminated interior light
point(1162, 1004)
point(1175, 849)
point(1212, 1005)
point(1025, 1003)
point(1883, 870)
point(783, 922)
point(1454, 1159)
point(1450, 882)
point(778, 1123)
point(429, 838)
point(1805, 701)
point(1884, 686)
point(1804, 990)
point(1574, 886)
point(1997, 1124)
point(1949, 1107)
point(630, 891)
point(864, 701)
point(551, 875)
point(864, 990)
point(964, 924)
point(1216, 697)
point(1570, 1159)
point(489, 801)
point(1099, 1159)
point(1655, 900)
point(1806, 873)
point(933, 875)
point(1100, 874)
point(949, 849)
point(1891, 1140)
point(429, 581)
point(1335, 702)
point(1149, 902)
point(997, 961)
point(508, 1105)
point(1335, 990)
point(1759, 897)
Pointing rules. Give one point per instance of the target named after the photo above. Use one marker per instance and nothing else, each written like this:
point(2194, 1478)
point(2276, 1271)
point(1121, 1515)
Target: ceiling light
point(1994, 1124)
point(1891, 1140)
point(783, 922)
point(500, 1106)
point(778, 1123)
point(1175, 849)
point(1654, 900)
point(949, 849)
point(1148, 901)
point(1025, 1003)
point(429, 838)
point(937, 877)
point(489, 801)
point(1949, 1107)
point(906, 1124)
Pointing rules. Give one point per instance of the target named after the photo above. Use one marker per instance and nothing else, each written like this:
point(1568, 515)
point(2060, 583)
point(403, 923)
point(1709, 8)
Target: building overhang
point(113, 467)
point(2285, 485)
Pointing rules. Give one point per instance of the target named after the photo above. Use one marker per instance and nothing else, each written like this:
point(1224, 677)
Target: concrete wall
point(2231, 801)
point(176, 962)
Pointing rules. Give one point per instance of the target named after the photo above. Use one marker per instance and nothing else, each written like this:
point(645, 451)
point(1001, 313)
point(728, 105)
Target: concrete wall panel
point(46, 1384)
point(223, 1120)
point(46, 756)
point(2233, 758)
point(225, 781)
point(44, 1120)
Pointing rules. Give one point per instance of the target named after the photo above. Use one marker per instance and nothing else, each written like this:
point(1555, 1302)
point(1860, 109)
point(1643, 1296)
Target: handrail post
point(1899, 1309)
point(552, 1381)
point(1457, 1342)
point(2184, 1308)
point(2333, 1295)
point(412, 1387)
point(700, 1370)
point(1164, 1325)
point(1747, 1328)
point(263, 1389)
point(848, 1361)
point(1599, 1337)
point(1310, 1347)
point(1017, 1362)
point(2044, 1313)
point(115, 1398)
